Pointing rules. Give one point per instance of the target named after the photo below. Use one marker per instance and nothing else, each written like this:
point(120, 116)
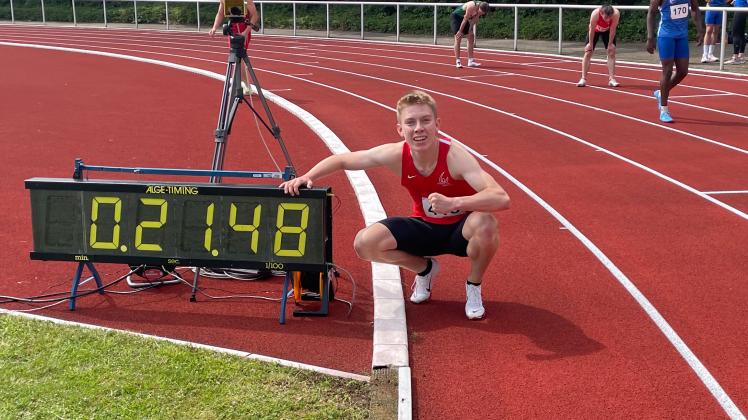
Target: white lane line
point(372, 212)
point(707, 379)
point(708, 109)
point(701, 371)
point(726, 192)
point(532, 122)
point(706, 95)
point(486, 75)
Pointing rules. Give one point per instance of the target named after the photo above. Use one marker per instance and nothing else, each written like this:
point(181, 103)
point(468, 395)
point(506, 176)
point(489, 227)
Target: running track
point(619, 289)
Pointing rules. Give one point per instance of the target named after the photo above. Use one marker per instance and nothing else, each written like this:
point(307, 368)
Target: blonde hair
point(415, 97)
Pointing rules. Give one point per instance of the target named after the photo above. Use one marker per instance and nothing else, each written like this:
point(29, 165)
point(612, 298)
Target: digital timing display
point(205, 225)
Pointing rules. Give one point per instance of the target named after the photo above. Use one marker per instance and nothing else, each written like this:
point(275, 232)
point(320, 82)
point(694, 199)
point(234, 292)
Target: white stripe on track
point(726, 192)
point(701, 371)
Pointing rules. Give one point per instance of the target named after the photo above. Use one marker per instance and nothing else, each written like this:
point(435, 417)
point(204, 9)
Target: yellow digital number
point(291, 230)
point(95, 203)
point(247, 228)
point(150, 224)
point(209, 229)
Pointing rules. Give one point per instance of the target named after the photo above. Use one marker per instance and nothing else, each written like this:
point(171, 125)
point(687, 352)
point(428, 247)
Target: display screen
point(206, 225)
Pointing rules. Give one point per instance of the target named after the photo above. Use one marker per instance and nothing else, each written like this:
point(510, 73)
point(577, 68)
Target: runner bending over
point(603, 25)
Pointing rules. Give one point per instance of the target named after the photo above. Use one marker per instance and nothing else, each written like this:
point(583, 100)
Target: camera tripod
point(233, 95)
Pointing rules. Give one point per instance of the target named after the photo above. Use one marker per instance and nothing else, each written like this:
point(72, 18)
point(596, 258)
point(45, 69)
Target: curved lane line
point(701, 371)
point(707, 379)
point(393, 351)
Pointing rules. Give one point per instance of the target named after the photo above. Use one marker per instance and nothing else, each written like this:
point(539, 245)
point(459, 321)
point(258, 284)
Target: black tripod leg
point(231, 95)
point(275, 129)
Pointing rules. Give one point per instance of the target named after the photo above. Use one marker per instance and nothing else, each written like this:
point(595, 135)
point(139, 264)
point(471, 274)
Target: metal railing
point(398, 5)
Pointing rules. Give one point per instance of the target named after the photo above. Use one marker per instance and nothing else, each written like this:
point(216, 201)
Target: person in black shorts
point(463, 21)
point(603, 25)
point(453, 202)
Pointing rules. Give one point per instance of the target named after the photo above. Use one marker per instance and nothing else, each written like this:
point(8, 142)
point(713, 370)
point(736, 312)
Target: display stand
point(77, 279)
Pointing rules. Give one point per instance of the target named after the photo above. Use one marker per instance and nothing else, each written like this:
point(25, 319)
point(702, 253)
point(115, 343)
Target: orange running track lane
point(617, 291)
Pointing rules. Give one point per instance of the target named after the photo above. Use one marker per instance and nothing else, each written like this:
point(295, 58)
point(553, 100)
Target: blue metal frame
point(80, 167)
point(77, 279)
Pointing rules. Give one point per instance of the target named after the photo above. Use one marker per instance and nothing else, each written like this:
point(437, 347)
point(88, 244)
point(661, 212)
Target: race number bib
point(428, 211)
point(679, 11)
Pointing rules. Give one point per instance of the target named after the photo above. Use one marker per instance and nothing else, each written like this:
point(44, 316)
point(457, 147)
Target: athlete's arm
point(697, 20)
point(218, 20)
point(387, 155)
point(613, 27)
point(591, 29)
point(654, 6)
point(254, 17)
point(489, 196)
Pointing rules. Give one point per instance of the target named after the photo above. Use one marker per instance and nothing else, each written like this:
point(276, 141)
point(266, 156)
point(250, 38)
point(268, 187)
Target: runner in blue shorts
point(713, 20)
point(672, 44)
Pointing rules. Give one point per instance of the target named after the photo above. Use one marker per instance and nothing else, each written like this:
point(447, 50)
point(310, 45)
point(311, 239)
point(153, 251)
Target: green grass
point(56, 371)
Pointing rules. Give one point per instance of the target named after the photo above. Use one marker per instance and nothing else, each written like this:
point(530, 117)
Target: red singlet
point(238, 28)
point(602, 25)
point(439, 181)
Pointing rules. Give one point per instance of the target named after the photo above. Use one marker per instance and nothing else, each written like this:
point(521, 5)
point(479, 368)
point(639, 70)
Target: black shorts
point(417, 237)
point(605, 36)
point(456, 22)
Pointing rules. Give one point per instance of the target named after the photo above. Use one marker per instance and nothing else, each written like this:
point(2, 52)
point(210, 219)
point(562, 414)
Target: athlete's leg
point(482, 233)
point(681, 56)
point(708, 40)
point(665, 78)
point(470, 44)
point(610, 48)
point(376, 243)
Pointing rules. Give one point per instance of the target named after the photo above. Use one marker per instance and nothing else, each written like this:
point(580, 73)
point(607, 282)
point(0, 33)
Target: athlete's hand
point(212, 31)
point(440, 203)
point(255, 27)
point(650, 45)
point(699, 39)
point(612, 48)
point(588, 47)
point(292, 186)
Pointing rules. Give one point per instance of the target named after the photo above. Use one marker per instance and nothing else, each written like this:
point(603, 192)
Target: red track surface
point(563, 337)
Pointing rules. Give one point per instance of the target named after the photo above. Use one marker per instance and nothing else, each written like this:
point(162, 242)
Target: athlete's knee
point(363, 245)
point(485, 228)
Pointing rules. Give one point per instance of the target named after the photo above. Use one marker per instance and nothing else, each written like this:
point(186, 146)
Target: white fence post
point(516, 26)
point(397, 24)
point(434, 24)
point(560, 28)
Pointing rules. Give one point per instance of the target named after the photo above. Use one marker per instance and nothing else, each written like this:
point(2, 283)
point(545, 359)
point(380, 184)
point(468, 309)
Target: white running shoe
point(712, 59)
point(473, 63)
point(458, 64)
point(704, 59)
point(582, 82)
point(474, 305)
point(422, 284)
point(613, 83)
